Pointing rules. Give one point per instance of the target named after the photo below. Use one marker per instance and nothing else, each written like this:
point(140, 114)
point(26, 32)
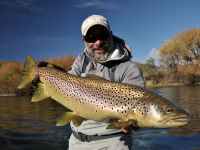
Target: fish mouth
point(181, 119)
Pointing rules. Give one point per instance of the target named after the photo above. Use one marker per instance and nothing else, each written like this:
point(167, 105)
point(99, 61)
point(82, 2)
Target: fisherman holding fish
point(104, 92)
point(109, 57)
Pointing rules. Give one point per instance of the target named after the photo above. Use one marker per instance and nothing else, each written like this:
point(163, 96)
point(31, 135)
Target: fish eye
point(168, 110)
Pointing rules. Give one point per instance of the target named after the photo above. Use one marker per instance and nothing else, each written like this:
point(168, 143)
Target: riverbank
point(7, 90)
point(150, 85)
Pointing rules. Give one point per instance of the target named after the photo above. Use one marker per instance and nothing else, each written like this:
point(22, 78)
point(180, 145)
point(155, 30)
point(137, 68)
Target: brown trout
point(98, 99)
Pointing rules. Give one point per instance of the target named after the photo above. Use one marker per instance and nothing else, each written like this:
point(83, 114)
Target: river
point(29, 126)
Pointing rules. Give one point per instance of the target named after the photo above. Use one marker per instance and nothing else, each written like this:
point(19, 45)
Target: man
point(107, 56)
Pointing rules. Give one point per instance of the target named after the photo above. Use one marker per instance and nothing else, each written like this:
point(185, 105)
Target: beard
point(102, 57)
point(107, 48)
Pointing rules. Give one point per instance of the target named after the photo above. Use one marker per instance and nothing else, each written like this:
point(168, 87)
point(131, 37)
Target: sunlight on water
point(26, 125)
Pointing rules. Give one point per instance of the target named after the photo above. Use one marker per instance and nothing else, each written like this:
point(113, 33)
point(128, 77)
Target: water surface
point(29, 126)
point(182, 138)
point(26, 125)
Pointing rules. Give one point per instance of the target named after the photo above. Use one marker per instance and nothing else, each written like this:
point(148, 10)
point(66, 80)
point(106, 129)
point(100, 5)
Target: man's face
point(99, 42)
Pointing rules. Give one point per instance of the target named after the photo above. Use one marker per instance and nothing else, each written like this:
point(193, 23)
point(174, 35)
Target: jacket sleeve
point(132, 74)
point(76, 68)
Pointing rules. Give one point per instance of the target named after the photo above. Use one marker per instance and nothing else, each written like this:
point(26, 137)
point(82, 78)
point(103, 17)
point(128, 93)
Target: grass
point(10, 72)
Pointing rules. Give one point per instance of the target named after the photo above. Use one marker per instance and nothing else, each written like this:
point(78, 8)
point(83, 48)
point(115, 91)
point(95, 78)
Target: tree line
point(179, 59)
point(182, 49)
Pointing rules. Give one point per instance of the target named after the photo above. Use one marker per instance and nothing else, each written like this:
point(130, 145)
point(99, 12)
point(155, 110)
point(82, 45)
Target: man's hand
point(127, 128)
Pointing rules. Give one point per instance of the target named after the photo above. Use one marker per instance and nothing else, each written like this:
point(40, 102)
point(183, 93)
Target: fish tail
point(28, 73)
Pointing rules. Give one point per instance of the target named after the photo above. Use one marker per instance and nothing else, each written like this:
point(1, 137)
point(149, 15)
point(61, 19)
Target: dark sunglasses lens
point(93, 37)
point(90, 38)
point(103, 35)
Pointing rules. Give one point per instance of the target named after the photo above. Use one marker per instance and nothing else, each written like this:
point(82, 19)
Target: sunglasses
point(91, 38)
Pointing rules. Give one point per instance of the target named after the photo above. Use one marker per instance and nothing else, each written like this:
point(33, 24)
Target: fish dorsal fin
point(95, 77)
point(40, 93)
point(120, 124)
point(70, 116)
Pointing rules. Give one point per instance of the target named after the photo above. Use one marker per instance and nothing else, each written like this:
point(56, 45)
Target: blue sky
point(51, 28)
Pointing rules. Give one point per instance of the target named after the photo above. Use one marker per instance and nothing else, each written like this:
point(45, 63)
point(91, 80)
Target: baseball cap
point(94, 20)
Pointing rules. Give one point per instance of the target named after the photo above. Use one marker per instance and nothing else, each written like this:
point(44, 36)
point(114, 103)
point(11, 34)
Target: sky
point(51, 28)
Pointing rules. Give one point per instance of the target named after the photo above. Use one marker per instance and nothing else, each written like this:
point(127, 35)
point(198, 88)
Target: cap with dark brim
point(93, 20)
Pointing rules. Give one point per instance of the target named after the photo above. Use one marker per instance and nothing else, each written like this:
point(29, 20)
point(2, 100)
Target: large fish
point(99, 99)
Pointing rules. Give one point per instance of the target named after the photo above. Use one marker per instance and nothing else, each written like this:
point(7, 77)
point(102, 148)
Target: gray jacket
point(118, 68)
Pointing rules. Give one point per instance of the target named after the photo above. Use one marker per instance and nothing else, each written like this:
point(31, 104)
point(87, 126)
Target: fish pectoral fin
point(120, 124)
point(40, 93)
point(67, 117)
point(77, 120)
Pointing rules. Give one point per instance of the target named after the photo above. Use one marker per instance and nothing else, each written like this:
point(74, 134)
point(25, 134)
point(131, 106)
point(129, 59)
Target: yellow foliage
point(189, 70)
point(10, 71)
point(183, 47)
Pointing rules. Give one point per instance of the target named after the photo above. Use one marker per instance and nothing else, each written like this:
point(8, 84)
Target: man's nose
point(98, 42)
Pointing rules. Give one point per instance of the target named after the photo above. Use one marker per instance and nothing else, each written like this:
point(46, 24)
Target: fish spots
point(101, 95)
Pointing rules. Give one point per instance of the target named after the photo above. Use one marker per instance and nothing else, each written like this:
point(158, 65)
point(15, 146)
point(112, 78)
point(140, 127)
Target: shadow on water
point(27, 126)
